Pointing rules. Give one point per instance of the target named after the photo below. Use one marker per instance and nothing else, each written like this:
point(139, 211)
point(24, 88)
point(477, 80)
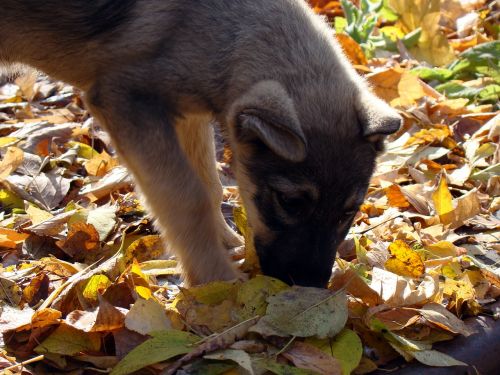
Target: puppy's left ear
point(377, 120)
point(283, 136)
point(267, 114)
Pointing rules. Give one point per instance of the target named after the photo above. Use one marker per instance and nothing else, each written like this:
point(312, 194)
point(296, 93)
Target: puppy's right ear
point(266, 113)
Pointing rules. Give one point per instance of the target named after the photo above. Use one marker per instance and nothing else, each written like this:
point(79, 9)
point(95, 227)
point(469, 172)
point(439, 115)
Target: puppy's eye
point(293, 205)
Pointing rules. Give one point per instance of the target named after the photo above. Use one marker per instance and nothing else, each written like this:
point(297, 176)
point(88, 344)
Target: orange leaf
point(82, 238)
point(101, 164)
point(396, 197)
point(9, 238)
point(352, 49)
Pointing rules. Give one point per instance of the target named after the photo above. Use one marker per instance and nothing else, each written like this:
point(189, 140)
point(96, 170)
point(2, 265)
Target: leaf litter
point(87, 284)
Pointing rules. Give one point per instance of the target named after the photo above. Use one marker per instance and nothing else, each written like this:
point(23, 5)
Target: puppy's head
point(303, 172)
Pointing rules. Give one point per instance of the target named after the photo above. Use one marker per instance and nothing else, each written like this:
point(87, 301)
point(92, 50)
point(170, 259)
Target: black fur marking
point(303, 252)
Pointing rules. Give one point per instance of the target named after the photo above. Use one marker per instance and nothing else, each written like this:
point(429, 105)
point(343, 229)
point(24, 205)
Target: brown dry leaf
point(355, 286)
point(395, 197)
point(308, 357)
point(466, 207)
point(460, 292)
point(399, 87)
point(220, 341)
point(145, 248)
point(352, 49)
point(397, 318)
point(37, 289)
point(404, 261)
point(385, 83)
point(67, 340)
point(398, 291)
point(438, 315)
point(82, 238)
point(12, 159)
point(101, 164)
point(9, 238)
point(45, 317)
point(104, 318)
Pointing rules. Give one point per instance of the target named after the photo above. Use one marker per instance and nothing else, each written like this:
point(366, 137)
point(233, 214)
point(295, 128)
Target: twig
point(24, 363)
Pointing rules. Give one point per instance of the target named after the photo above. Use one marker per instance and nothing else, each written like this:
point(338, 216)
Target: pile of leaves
point(88, 287)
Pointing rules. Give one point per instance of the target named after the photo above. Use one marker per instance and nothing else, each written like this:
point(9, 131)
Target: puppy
point(303, 126)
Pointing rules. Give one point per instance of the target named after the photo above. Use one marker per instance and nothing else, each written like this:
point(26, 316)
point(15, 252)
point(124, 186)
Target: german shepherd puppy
point(303, 127)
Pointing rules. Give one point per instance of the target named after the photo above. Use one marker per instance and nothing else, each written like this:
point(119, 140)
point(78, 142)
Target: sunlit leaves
point(404, 261)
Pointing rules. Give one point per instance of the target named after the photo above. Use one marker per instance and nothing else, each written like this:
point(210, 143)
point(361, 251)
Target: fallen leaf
point(252, 295)
point(9, 238)
point(305, 312)
point(355, 286)
point(162, 346)
point(395, 197)
point(443, 200)
point(435, 358)
point(12, 159)
point(404, 261)
point(67, 340)
point(82, 239)
point(346, 348)
point(437, 314)
point(239, 356)
point(146, 316)
point(308, 357)
point(100, 164)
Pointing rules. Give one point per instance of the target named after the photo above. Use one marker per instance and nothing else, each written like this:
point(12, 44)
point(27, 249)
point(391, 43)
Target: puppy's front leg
point(141, 124)
point(196, 137)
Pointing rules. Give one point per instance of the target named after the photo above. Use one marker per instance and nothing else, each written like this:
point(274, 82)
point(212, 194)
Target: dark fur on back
point(80, 19)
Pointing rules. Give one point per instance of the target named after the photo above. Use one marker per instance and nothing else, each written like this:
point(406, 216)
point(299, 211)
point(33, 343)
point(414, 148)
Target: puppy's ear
point(377, 120)
point(266, 113)
point(282, 136)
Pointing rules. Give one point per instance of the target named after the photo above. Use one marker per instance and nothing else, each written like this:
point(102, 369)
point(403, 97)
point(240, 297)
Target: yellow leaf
point(442, 249)
point(6, 141)
point(37, 215)
point(10, 200)
point(433, 45)
point(252, 295)
point(143, 292)
point(443, 200)
point(12, 159)
point(404, 261)
point(251, 264)
point(95, 286)
point(84, 151)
